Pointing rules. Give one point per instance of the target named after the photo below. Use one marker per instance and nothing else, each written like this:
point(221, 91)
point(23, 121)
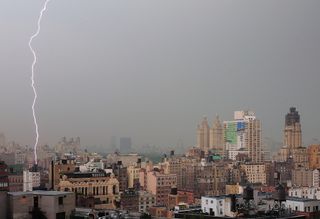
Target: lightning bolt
point(44, 8)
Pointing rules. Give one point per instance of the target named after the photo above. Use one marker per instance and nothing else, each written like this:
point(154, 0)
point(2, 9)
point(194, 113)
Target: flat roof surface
point(40, 192)
point(301, 199)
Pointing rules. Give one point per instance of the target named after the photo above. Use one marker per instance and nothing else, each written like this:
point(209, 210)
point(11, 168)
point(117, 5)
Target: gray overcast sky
point(152, 69)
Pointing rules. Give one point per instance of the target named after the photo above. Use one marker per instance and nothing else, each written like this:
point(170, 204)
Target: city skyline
point(153, 77)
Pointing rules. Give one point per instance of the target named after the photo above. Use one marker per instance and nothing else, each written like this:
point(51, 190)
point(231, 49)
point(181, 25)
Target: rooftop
point(40, 192)
point(222, 196)
point(301, 199)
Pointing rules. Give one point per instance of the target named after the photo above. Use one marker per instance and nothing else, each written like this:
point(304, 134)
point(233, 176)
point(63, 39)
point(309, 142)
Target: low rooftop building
point(51, 204)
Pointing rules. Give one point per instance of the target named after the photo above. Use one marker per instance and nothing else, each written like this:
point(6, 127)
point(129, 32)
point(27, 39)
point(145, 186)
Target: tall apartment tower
point(292, 130)
point(216, 136)
point(253, 139)
point(203, 135)
point(243, 136)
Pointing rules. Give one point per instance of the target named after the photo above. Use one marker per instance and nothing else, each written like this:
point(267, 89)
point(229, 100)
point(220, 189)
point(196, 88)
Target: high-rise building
point(203, 135)
point(292, 140)
point(243, 136)
point(216, 136)
point(292, 130)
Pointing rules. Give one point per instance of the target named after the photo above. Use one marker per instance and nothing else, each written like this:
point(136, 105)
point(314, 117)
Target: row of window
point(306, 209)
point(3, 184)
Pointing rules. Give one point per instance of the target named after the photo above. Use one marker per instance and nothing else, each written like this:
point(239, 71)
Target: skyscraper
point(243, 136)
point(292, 140)
point(216, 136)
point(253, 139)
point(203, 135)
point(292, 130)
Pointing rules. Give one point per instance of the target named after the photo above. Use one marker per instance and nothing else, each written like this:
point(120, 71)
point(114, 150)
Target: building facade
point(146, 200)
point(305, 177)
point(313, 152)
point(203, 135)
point(99, 187)
point(4, 180)
point(243, 135)
point(160, 184)
point(52, 204)
point(216, 137)
point(256, 173)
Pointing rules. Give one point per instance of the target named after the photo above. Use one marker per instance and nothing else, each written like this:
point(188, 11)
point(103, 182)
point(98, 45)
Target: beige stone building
point(234, 189)
point(217, 137)
point(256, 173)
point(305, 177)
point(300, 157)
point(313, 152)
point(133, 172)
point(253, 139)
point(292, 141)
point(58, 168)
point(146, 200)
point(203, 135)
point(210, 138)
point(292, 130)
point(184, 169)
point(104, 189)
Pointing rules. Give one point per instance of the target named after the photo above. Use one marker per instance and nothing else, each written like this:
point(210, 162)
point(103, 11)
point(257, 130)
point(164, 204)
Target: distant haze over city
point(151, 70)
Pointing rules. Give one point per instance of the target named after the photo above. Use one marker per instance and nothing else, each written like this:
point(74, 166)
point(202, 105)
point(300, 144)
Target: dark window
point(61, 215)
point(35, 202)
point(60, 200)
point(114, 189)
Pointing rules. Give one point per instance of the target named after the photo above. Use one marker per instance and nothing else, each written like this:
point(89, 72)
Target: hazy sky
point(152, 69)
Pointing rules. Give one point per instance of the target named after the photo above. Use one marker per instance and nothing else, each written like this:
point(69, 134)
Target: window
point(35, 202)
point(60, 200)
